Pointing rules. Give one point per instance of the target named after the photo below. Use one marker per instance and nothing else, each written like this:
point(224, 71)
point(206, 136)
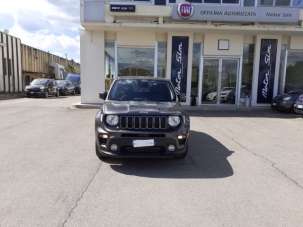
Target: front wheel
point(183, 156)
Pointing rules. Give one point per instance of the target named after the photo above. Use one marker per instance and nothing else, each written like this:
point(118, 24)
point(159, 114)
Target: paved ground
point(244, 169)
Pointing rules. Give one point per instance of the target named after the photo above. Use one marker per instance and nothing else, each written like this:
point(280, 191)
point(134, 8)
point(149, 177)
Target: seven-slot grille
point(143, 122)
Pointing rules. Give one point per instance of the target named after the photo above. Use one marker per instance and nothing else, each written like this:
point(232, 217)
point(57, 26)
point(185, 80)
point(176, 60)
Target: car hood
point(34, 86)
point(116, 107)
point(280, 97)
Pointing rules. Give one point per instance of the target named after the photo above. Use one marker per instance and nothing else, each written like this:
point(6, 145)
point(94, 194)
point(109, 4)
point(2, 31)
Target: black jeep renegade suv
point(141, 117)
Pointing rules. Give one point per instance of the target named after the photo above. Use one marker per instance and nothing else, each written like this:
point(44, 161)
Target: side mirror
point(103, 95)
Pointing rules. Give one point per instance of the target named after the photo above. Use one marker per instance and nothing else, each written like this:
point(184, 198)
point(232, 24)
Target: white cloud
point(48, 25)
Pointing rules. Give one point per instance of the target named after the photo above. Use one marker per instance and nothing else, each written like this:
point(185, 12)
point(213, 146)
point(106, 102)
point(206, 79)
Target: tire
point(46, 95)
point(183, 156)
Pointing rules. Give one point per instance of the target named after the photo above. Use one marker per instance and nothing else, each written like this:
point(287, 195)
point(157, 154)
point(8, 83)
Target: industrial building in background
point(20, 64)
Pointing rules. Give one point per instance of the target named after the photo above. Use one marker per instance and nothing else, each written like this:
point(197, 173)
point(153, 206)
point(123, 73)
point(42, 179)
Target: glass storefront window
point(266, 2)
point(194, 1)
point(195, 71)
point(294, 76)
point(230, 1)
point(249, 2)
point(282, 2)
point(282, 68)
point(136, 61)
point(109, 59)
point(162, 54)
point(247, 71)
point(212, 1)
point(210, 81)
point(109, 63)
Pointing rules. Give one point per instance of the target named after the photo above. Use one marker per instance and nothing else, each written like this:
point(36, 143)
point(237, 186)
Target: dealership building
point(216, 52)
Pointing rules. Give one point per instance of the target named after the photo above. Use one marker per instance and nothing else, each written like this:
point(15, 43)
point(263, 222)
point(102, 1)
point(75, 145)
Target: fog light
point(171, 148)
point(104, 136)
point(114, 147)
point(180, 137)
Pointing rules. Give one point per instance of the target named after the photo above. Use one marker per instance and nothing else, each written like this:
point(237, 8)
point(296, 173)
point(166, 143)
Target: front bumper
point(124, 141)
point(282, 105)
point(298, 108)
point(35, 93)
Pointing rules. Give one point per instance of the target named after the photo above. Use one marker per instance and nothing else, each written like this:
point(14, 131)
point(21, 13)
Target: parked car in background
point(212, 96)
point(75, 80)
point(141, 117)
point(226, 95)
point(65, 87)
point(42, 88)
point(298, 107)
point(286, 101)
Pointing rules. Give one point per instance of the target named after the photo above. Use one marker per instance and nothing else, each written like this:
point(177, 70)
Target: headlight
point(174, 121)
point(42, 88)
point(287, 98)
point(112, 120)
point(300, 99)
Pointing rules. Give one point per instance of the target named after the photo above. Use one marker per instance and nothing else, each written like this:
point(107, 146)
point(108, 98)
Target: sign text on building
point(122, 8)
point(201, 12)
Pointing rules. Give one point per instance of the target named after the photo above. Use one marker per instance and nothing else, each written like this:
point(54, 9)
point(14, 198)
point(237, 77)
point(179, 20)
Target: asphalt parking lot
point(244, 169)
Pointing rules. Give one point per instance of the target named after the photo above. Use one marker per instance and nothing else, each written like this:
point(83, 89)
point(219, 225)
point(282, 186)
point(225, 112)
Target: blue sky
point(50, 25)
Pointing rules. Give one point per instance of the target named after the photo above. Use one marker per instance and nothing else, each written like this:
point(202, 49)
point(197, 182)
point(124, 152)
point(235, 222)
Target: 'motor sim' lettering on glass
point(180, 71)
point(267, 61)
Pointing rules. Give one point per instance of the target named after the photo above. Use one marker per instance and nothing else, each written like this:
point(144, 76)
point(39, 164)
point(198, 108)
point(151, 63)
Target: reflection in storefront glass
point(136, 61)
point(228, 81)
point(109, 63)
point(210, 81)
point(294, 75)
point(247, 72)
point(161, 59)
point(195, 71)
point(282, 68)
point(109, 59)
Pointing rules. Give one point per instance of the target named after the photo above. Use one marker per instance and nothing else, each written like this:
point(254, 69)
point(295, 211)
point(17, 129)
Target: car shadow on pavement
point(207, 158)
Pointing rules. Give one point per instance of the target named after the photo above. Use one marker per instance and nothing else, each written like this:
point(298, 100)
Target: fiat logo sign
point(185, 10)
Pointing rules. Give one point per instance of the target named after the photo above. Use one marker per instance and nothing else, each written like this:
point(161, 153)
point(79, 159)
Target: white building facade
point(215, 52)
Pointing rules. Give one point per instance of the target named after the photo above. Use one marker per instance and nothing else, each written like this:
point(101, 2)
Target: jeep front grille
point(143, 122)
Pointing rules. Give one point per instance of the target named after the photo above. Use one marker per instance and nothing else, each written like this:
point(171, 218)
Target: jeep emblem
point(185, 10)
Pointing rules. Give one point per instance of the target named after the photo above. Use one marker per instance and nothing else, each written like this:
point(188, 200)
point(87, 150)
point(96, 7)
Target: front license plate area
point(143, 143)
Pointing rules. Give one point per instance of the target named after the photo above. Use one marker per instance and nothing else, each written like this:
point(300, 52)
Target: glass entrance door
point(210, 81)
point(220, 77)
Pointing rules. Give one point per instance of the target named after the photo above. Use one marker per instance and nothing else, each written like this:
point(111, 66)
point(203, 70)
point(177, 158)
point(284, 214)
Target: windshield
point(61, 82)
point(39, 82)
point(75, 79)
point(142, 90)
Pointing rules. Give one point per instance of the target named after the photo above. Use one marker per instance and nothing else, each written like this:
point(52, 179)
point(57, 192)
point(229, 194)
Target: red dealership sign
point(185, 10)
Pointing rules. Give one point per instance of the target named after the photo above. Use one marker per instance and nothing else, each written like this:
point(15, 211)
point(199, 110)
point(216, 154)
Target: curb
point(87, 106)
